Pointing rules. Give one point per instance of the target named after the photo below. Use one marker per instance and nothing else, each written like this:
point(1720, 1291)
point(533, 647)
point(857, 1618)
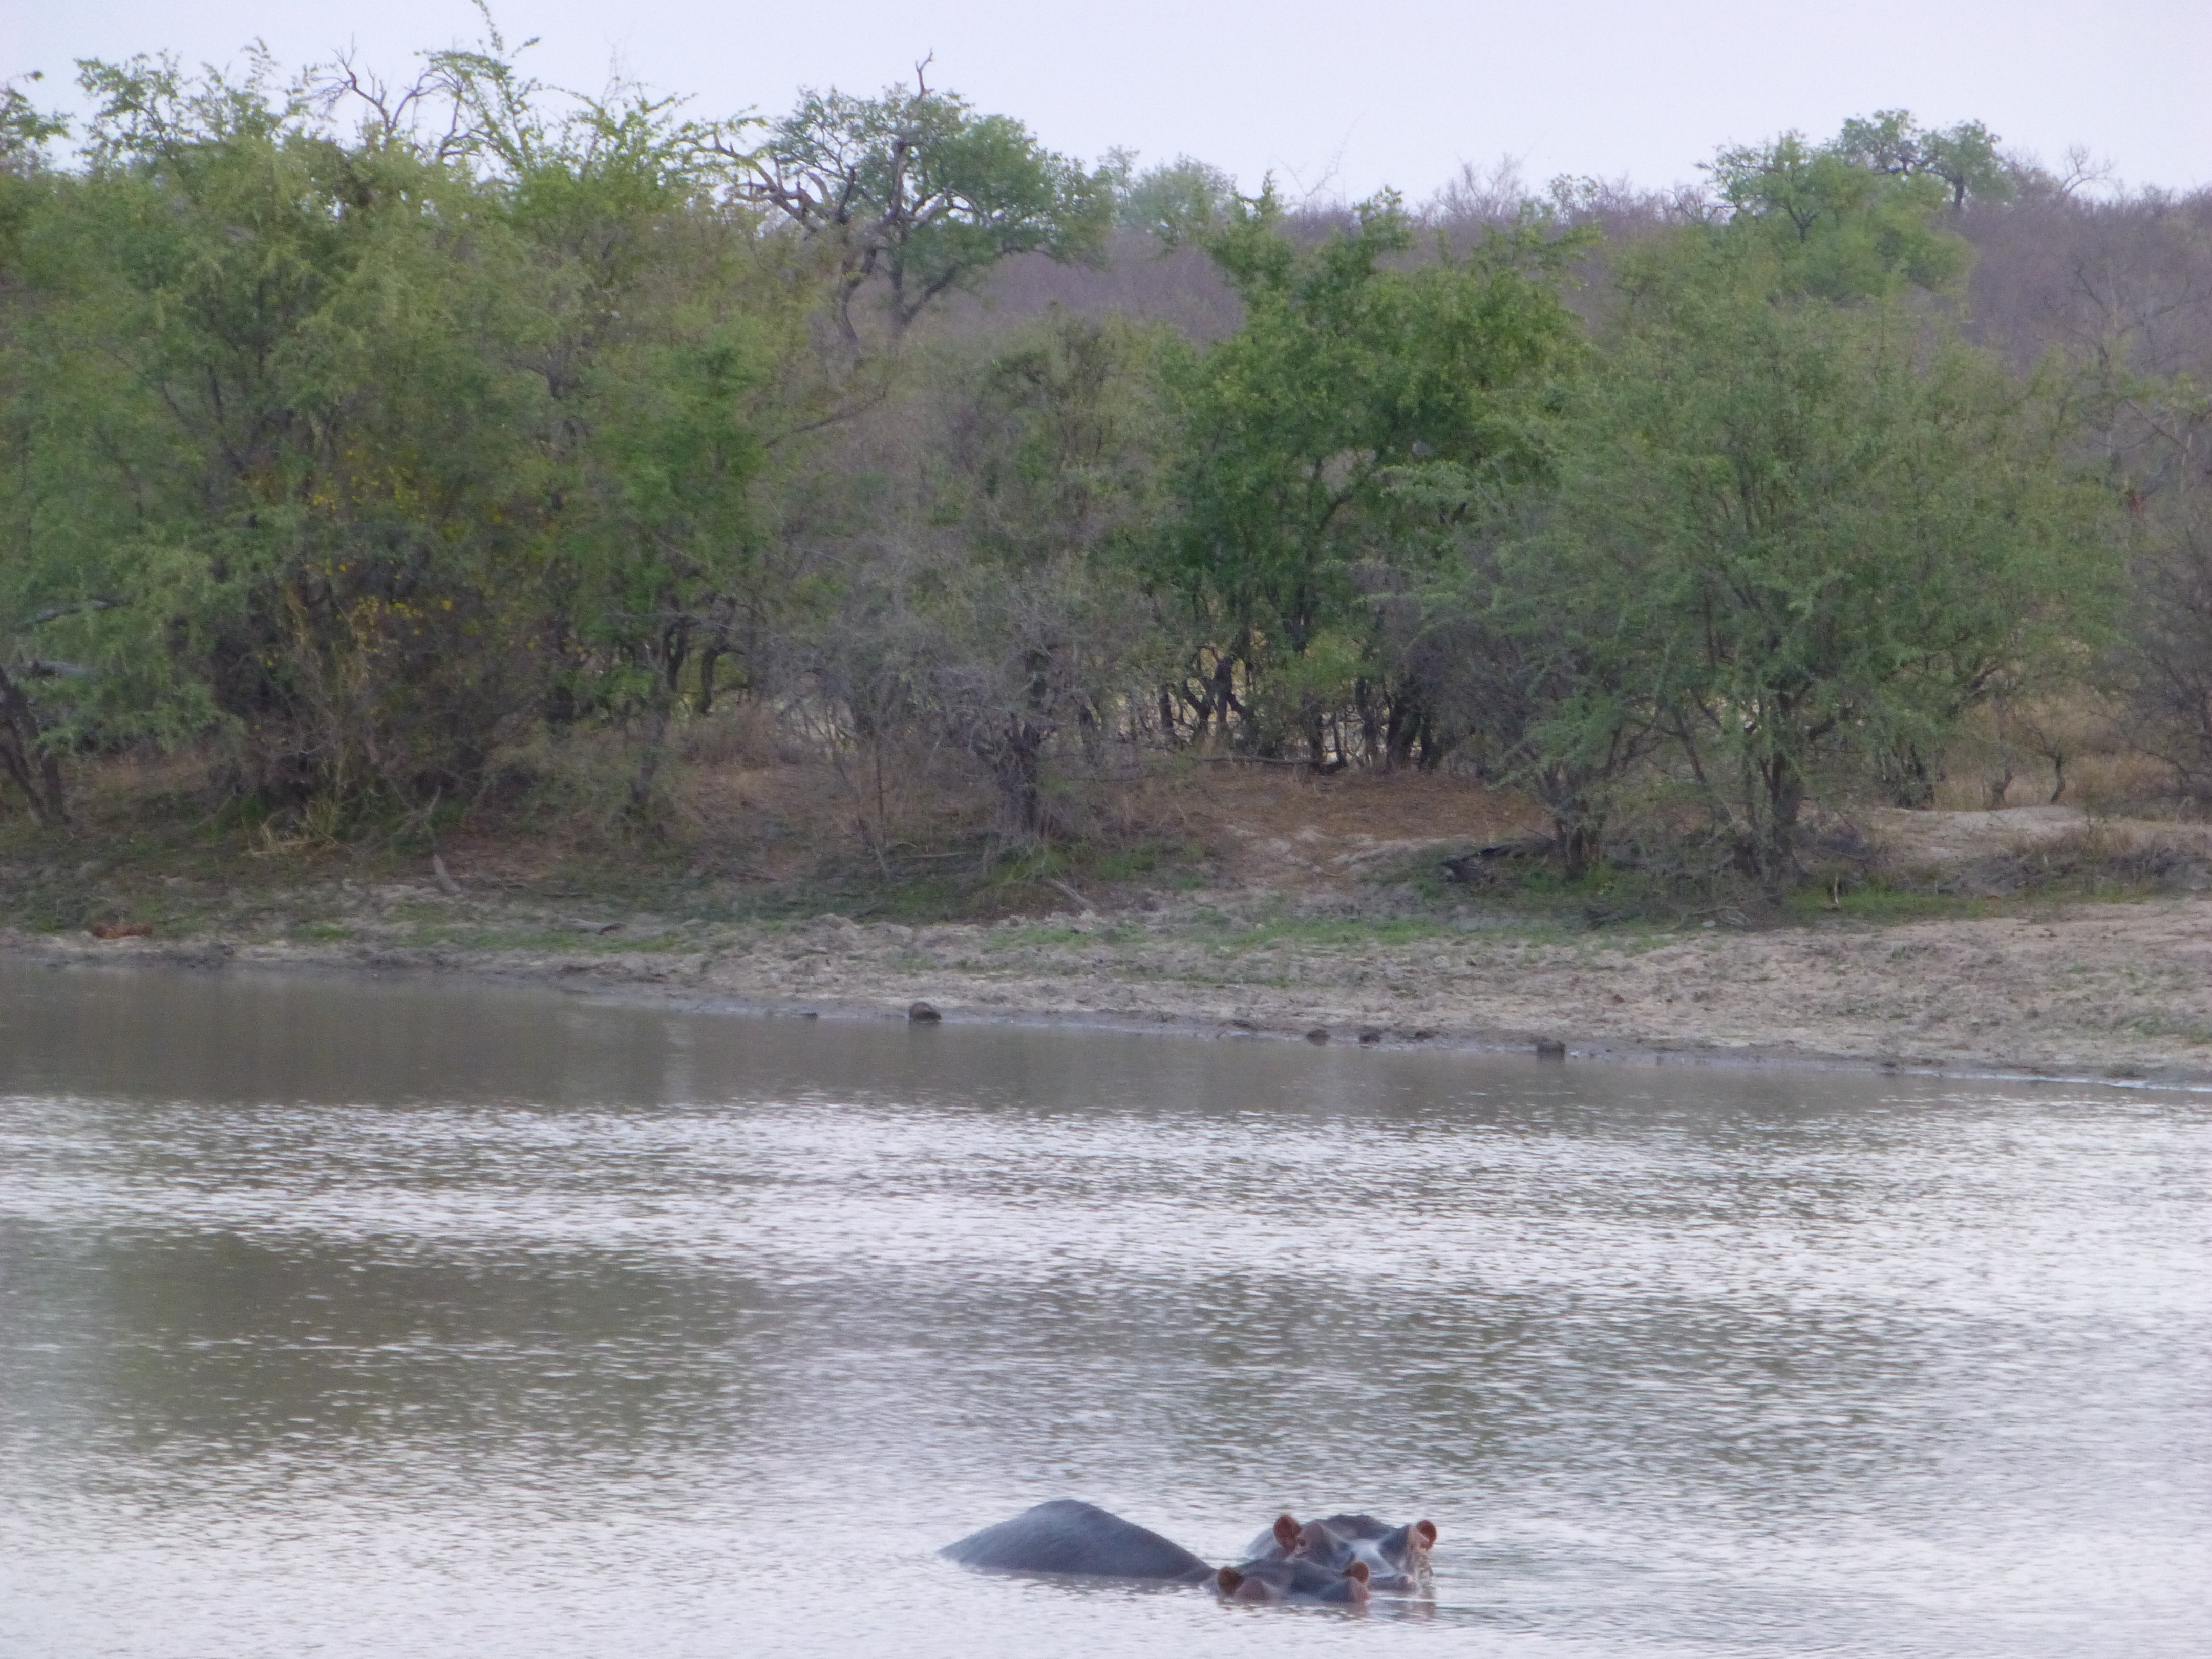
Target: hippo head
point(1294, 1582)
point(1396, 1558)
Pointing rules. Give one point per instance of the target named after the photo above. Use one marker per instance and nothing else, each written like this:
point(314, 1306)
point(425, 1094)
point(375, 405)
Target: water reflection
point(400, 1318)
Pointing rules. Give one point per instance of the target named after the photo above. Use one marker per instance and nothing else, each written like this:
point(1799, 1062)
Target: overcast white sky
point(1340, 97)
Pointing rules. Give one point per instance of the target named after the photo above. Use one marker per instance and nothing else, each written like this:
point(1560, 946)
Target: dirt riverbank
point(2115, 990)
point(1315, 907)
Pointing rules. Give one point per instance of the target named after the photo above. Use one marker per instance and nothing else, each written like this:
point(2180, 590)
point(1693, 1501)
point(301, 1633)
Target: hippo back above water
point(1082, 1540)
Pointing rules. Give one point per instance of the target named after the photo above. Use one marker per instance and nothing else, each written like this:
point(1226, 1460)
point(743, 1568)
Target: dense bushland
point(407, 453)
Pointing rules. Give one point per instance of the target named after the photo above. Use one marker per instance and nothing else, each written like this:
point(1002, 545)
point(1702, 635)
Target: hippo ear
point(1357, 1570)
point(1286, 1531)
point(1427, 1529)
point(1227, 1579)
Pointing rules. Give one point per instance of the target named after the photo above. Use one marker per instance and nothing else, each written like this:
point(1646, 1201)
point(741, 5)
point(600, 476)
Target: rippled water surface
point(351, 1318)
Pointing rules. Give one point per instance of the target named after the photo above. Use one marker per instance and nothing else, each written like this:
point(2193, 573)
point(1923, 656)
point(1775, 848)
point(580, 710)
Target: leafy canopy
point(1858, 216)
point(918, 190)
point(1352, 360)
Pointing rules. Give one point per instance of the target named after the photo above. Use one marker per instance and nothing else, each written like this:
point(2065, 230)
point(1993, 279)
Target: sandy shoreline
point(2118, 991)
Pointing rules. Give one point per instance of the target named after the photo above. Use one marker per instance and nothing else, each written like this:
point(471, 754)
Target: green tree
point(1546, 677)
point(1178, 202)
point(1354, 359)
point(1829, 530)
point(671, 352)
point(918, 192)
point(29, 587)
point(307, 406)
point(372, 453)
point(996, 619)
point(1964, 158)
point(1825, 221)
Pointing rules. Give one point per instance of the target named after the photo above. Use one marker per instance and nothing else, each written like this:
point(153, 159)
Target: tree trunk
point(675, 649)
point(1577, 839)
point(709, 655)
point(1371, 724)
point(1225, 689)
point(1020, 767)
point(35, 769)
point(648, 763)
point(1310, 721)
point(1398, 732)
point(1907, 778)
point(1432, 752)
point(1776, 854)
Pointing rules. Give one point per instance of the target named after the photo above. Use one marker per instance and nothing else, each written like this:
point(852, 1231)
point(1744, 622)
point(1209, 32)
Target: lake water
point(354, 1318)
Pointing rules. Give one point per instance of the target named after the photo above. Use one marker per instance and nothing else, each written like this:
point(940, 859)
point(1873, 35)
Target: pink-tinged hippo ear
point(1426, 1532)
point(1227, 1579)
point(1357, 1570)
point(1287, 1531)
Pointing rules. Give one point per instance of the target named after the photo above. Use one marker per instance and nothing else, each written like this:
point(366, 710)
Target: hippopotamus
point(1395, 1558)
point(1333, 1562)
point(1294, 1581)
point(1065, 1536)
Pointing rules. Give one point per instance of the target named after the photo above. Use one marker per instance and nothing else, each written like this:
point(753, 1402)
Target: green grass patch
point(1330, 931)
point(1882, 903)
point(1034, 936)
point(565, 941)
point(983, 879)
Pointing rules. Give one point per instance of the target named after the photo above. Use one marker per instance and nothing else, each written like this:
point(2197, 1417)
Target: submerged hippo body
point(1065, 1536)
point(1396, 1558)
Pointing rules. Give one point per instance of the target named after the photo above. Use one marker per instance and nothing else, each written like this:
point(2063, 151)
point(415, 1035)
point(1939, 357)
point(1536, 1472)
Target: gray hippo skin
point(1065, 1536)
point(1295, 1581)
point(1396, 1558)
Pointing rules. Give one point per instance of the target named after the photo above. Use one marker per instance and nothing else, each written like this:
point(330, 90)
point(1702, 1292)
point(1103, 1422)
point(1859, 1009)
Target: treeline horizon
point(408, 452)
